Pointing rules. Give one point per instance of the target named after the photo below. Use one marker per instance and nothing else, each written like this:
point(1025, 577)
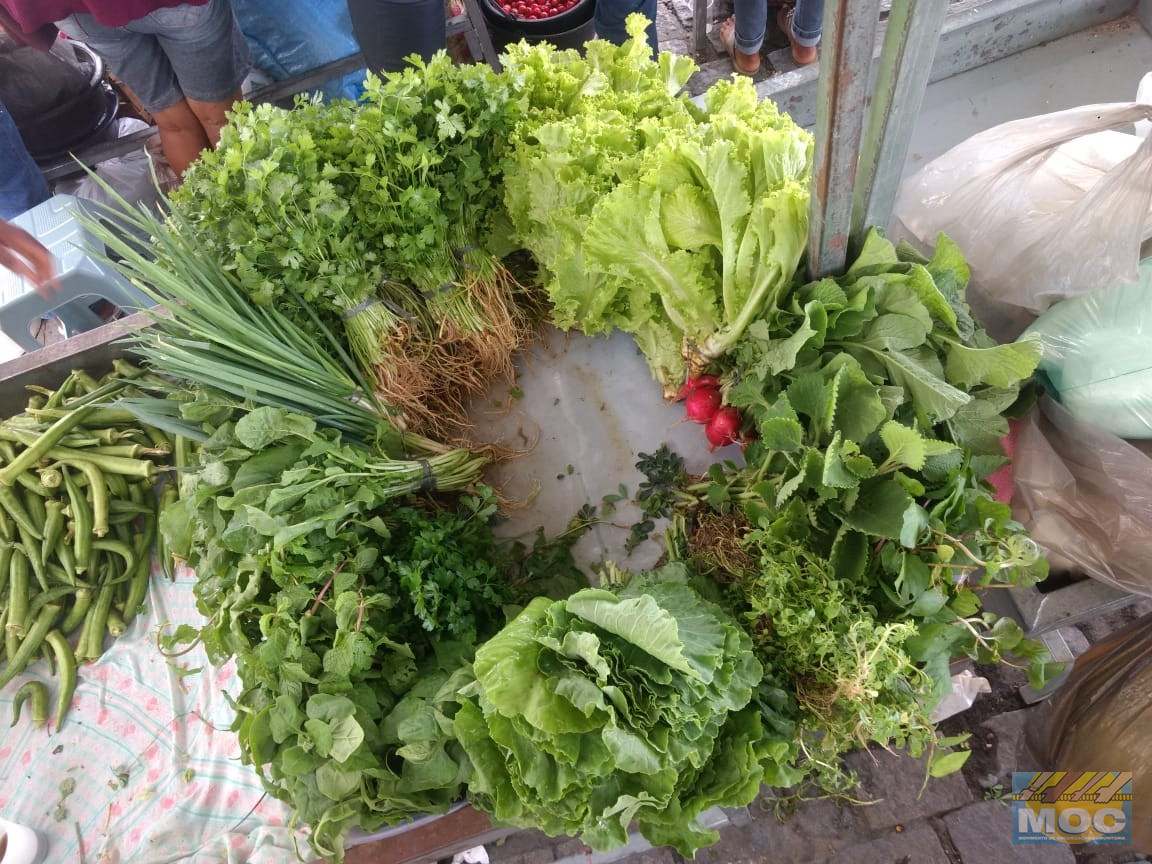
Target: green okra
point(37, 692)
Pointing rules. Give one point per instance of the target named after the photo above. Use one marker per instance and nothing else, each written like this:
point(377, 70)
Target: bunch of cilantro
point(860, 527)
point(676, 223)
point(357, 208)
point(350, 604)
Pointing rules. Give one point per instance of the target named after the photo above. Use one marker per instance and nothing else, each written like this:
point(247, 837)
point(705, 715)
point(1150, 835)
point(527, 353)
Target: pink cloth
point(32, 22)
point(1001, 478)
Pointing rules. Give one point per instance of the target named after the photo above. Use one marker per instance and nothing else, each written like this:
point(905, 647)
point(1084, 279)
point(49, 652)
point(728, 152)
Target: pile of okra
point(79, 498)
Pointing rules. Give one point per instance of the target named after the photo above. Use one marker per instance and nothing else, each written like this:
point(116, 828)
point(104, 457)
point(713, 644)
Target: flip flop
point(728, 40)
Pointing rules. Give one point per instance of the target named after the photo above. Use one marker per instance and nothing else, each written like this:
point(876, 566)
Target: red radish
point(702, 404)
point(696, 383)
point(723, 429)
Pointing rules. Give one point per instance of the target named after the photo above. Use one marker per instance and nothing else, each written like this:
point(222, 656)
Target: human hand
point(24, 255)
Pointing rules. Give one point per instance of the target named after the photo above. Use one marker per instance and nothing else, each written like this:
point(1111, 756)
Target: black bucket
point(389, 30)
point(570, 29)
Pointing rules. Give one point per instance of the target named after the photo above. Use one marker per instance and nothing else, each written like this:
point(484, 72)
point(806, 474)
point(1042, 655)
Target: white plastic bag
point(1036, 222)
point(130, 175)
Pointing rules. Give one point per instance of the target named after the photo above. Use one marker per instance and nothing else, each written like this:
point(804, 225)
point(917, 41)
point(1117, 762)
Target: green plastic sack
point(1097, 359)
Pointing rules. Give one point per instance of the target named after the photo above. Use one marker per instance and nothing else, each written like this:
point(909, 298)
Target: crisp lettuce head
point(677, 223)
point(590, 713)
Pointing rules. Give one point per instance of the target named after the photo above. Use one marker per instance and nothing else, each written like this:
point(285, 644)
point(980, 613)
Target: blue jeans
point(22, 185)
point(610, 15)
point(752, 22)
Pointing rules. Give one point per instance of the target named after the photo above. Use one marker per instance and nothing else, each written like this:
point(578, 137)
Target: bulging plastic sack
point(1097, 358)
point(1100, 720)
point(1041, 213)
point(1085, 497)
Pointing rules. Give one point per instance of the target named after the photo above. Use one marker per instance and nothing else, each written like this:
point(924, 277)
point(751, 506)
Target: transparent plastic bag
point(1101, 719)
point(1085, 496)
point(1097, 358)
point(1036, 222)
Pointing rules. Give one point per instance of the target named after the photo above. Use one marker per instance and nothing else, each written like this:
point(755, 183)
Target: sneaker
point(802, 55)
point(19, 844)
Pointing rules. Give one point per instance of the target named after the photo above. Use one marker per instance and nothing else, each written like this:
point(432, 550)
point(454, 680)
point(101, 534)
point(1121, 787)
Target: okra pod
point(14, 630)
point(85, 382)
point(35, 452)
point(127, 369)
point(38, 693)
point(57, 397)
point(92, 647)
point(66, 674)
point(10, 501)
point(118, 547)
point(116, 624)
point(67, 557)
point(138, 585)
point(43, 598)
point(81, 519)
point(53, 528)
point(117, 486)
point(142, 468)
point(30, 647)
point(30, 548)
point(81, 603)
point(6, 549)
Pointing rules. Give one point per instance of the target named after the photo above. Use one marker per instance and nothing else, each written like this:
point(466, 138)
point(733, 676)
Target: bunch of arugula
point(860, 530)
point(676, 223)
point(347, 603)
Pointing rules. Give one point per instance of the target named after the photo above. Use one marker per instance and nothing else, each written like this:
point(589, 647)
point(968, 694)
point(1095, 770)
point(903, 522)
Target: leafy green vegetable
point(380, 215)
point(854, 535)
point(589, 713)
point(678, 224)
point(350, 607)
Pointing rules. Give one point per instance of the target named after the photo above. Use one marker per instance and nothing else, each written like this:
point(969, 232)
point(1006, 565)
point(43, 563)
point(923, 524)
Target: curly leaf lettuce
point(590, 713)
point(677, 223)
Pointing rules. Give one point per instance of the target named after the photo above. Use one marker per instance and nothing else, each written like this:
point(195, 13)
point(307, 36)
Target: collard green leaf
point(945, 763)
point(906, 447)
point(263, 426)
point(999, 366)
point(879, 509)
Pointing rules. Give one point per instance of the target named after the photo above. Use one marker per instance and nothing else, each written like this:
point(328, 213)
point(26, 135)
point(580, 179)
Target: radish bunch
point(704, 404)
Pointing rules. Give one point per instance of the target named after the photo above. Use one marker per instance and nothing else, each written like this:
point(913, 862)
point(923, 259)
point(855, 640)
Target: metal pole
point(849, 40)
point(901, 79)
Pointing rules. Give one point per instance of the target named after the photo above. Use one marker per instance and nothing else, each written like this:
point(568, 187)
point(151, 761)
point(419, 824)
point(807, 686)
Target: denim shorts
point(184, 52)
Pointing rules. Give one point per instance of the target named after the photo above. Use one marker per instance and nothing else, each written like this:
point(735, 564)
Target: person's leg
point(208, 55)
point(808, 22)
point(743, 34)
point(390, 30)
point(213, 116)
point(22, 185)
point(803, 38)
point(611, 15)
point(182, 135)
point(138, 60)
